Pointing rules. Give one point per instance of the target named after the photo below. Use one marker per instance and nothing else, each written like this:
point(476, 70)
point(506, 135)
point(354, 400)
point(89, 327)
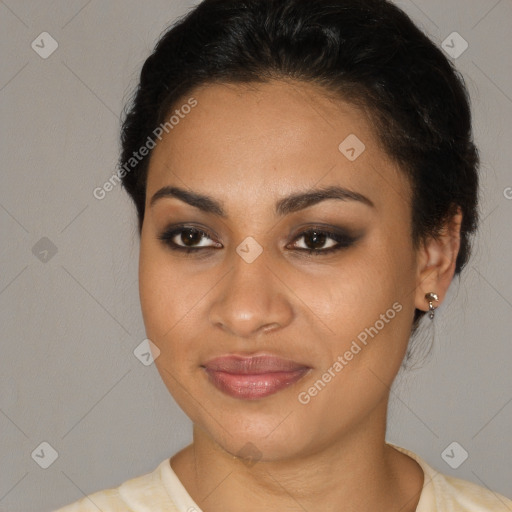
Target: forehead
point(269, 139)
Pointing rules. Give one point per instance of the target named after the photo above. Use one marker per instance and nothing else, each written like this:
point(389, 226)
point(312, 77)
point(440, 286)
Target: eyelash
point(343, 240)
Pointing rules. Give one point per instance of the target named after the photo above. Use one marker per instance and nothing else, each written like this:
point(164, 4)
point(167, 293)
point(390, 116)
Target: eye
point(316, 238)
point(189, 239)
point(186, 239)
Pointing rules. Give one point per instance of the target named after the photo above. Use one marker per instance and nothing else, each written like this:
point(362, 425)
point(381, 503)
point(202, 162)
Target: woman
point(306, 186)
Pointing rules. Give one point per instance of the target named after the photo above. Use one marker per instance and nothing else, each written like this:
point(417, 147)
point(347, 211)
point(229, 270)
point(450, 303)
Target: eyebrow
point(289, 204)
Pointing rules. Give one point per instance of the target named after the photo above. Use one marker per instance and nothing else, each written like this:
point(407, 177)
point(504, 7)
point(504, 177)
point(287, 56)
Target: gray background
point(71, 321)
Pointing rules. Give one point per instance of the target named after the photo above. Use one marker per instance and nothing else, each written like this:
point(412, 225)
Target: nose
point(251, 300)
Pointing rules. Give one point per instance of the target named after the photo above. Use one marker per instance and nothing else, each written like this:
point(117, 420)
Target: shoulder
point(443, 493)
point(106, 501)
point(457, 494)
point(134, 495)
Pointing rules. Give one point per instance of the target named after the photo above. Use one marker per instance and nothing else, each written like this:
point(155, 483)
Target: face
point(277, 272)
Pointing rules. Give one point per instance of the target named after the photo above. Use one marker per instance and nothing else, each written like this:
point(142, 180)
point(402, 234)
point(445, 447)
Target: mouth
point(254, 377)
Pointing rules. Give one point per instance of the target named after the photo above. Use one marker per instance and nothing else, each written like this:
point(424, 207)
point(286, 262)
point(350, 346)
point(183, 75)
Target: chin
point(270, 432)
point(258, 446)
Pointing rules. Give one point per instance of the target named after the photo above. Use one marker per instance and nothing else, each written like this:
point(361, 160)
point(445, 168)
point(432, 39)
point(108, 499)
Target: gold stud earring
point(431, 297)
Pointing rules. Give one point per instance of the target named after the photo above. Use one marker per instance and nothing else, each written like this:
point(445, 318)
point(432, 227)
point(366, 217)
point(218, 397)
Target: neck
point(357, 472)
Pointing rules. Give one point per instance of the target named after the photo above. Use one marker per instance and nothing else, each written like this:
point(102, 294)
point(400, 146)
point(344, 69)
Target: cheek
point(160, 290)
point(368, 281)
point(369, 317)
point(370, 299)
point(172, 296)
point(163, 310)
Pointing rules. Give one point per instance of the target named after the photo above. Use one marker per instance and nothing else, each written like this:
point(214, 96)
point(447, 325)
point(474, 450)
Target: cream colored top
point(162, 491)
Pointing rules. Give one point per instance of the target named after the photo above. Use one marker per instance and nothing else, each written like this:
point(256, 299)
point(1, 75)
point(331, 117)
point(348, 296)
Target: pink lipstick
point(254, 377)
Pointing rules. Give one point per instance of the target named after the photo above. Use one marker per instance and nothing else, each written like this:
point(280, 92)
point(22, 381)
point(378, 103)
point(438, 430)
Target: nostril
point(270, 327)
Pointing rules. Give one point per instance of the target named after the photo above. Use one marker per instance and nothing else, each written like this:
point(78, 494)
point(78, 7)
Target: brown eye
point(190, 237)
point(186, 239)
point(315, 241)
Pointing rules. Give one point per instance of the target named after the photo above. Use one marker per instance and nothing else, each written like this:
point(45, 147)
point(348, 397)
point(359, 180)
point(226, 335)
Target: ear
point(436, 261)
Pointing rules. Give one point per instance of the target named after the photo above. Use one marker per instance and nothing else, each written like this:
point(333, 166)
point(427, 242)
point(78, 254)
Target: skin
point(247, 146)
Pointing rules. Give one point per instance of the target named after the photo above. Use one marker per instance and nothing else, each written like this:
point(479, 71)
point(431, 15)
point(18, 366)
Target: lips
point(255, 377)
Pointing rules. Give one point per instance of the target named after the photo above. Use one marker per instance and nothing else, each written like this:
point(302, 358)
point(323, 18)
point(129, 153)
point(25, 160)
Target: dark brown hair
point(367, 51)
